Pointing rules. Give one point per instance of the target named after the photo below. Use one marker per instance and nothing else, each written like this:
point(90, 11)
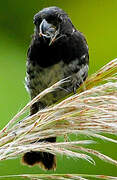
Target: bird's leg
point(66, 138)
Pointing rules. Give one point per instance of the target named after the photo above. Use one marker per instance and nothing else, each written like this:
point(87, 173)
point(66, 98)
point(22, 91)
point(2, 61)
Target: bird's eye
point(59, 18)
point(37, 20)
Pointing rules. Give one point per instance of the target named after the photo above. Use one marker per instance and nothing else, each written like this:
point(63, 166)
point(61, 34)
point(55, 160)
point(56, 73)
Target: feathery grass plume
point(61, 176)
point(91, 111)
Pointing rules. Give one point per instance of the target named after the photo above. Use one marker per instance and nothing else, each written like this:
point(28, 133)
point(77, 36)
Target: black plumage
point(57, 51)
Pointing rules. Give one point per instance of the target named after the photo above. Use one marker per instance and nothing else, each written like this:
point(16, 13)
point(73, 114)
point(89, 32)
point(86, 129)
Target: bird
point(57, 51)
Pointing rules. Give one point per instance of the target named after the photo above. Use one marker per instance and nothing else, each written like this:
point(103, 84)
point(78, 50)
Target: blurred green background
point(97, 19)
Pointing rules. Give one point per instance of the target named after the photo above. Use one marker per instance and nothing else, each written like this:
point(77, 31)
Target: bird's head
point(53, 23)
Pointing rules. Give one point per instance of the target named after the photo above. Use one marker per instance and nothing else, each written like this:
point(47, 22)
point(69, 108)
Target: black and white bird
point(57, 51)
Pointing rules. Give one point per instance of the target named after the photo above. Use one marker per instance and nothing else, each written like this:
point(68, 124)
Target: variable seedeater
point(57, 51)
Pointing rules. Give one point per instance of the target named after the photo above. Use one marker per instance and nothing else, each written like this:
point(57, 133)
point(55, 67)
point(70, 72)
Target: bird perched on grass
point(57, 51)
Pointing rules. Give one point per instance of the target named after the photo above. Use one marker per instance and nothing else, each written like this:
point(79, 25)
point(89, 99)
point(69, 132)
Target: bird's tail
point(46, 160)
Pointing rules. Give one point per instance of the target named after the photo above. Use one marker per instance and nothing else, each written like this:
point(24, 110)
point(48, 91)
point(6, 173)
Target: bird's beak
point(48, 30)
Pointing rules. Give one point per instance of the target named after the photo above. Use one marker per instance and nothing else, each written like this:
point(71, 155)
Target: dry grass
point(61, 176)
point(92, 111)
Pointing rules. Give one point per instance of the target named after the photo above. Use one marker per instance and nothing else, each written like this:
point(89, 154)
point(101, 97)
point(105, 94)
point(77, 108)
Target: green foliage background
point(97, 19)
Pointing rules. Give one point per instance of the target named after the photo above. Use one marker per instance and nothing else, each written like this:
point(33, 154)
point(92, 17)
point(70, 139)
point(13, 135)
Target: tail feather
point(46, 160)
